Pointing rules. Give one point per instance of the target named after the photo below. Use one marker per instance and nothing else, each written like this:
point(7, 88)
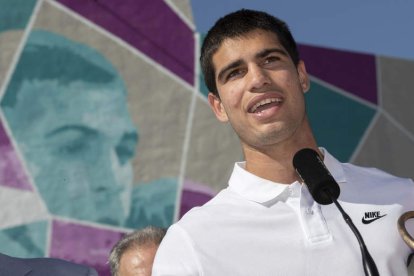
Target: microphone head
point(316, 176)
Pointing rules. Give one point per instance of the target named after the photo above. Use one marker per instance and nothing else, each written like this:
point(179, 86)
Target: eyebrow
point(266, 52)
point(78, 128)
point(239, 62)
point(230, 66)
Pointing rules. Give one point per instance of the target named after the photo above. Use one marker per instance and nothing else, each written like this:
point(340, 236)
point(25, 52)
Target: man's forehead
point(234, 50)
point(99, 107)
point(270, 39)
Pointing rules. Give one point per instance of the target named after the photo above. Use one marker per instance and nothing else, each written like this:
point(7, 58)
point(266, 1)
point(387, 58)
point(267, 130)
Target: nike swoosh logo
point(368, 221)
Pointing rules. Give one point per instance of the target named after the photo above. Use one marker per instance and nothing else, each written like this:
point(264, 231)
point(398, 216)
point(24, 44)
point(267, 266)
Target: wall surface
point(105, 125)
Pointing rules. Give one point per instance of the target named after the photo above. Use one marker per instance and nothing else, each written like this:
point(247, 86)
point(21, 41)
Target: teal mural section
point(72, 125)
point(154, 203)
point(338, 121)
point(26, 241)
point(202, 85)
point(203, 88)
point(14, 14)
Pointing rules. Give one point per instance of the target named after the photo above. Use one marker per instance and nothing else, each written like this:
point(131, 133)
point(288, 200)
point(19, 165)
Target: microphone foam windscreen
point(316, 176)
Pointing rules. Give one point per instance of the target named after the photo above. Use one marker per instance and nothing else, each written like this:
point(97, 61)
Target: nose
point(258, 78)
point(125, 149)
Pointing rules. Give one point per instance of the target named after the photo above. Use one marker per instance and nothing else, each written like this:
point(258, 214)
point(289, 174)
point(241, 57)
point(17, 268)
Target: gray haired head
point(150, 235)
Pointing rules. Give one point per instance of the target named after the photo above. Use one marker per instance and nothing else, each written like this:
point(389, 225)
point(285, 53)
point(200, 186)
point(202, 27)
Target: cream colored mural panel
point(214, 148)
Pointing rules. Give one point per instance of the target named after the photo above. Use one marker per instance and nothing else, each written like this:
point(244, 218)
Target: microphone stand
point(368, 263)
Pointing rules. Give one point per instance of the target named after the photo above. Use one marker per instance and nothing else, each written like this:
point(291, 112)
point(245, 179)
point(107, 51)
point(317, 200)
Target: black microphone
point(325, 190)
point(311, 169)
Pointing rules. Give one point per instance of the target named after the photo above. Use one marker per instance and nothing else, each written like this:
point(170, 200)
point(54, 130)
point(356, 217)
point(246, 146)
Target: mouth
point(265, 104)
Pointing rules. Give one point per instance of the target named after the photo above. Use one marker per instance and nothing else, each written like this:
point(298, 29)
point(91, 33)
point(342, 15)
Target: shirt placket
point(313, 221)
point(309, 212)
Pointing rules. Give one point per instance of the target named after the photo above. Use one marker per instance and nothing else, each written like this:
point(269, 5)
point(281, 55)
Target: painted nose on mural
point(125, 149)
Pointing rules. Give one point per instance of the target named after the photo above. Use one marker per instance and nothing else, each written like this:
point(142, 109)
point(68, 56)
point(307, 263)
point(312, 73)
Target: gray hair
point(149, 235)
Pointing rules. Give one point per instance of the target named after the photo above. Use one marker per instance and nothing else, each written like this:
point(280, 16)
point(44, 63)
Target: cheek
point(289, 77)
point(233, 96)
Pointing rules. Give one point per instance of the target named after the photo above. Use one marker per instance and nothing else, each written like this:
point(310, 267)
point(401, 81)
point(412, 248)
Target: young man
point(266, 222)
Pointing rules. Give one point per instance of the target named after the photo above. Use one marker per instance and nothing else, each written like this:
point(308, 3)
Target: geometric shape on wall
point(397, 89)
point(353, 72)
point(184, 8)
point(24, 241)
point(12, 173)
point(194, 194)
point(15, 204)
point(389, 148)
point(9, 44)
point(203, 87)
point(202, 84)
point(338, 121)
point(150, 26)
point(154, 203)
point(14, 14)
point(91, 248)
point(214, 141)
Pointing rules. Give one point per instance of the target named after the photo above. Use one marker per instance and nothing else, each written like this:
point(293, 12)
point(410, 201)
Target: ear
point(217, 106)
point(303, 76)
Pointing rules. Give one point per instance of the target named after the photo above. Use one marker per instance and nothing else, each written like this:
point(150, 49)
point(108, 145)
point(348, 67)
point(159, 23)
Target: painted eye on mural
point(125, 149)
point(74, 141)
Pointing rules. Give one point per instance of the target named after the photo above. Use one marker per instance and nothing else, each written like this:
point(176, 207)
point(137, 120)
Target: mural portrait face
point(66, 108)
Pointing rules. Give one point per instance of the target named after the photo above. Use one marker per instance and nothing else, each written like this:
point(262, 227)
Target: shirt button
point(309, 211)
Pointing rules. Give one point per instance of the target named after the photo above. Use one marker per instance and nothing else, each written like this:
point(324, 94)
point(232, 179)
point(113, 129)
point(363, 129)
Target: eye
point(234, 74)
point(74, 142)
point(271, 59)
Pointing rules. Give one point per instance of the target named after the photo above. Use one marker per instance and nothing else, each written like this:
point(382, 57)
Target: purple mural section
point(193, 195)
point(11, 170)
point(150, 26)
point(92, 244)
point(352, 72)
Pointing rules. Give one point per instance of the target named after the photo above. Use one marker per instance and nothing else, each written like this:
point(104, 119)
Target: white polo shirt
point(258, 227)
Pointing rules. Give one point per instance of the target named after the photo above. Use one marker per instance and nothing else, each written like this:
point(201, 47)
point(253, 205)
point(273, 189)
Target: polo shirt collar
point(252, 187)
point(334, 166)
point(261, 190)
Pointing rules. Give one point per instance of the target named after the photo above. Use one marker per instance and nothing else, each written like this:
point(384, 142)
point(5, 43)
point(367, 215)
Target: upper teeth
point(266, 101)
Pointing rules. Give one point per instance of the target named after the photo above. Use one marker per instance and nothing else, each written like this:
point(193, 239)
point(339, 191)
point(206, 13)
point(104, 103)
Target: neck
point(274, 162)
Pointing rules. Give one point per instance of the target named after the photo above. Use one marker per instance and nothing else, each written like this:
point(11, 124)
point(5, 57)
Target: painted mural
point(99, 104)
point(105, 126)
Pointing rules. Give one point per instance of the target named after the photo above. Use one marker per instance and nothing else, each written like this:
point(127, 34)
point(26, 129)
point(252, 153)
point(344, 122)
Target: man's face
point(77, 139)
point(261, 90)
point(138, 261)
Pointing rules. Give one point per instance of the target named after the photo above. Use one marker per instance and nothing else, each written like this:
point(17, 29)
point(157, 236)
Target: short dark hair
point(51, 56)
point(149, 235)
point(238, 24)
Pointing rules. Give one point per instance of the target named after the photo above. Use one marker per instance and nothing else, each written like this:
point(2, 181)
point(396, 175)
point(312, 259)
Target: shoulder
point(179, 250)
point(366, 174)
point(210, 212)
point(58, 267)
point(176, 254)
point(377, 186)
point(42, 266)
point(12, 266)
